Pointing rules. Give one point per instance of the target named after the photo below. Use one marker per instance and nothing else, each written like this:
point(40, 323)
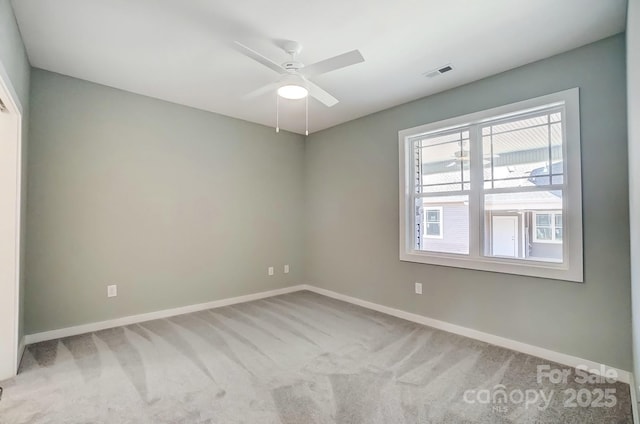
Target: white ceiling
point(180, 50)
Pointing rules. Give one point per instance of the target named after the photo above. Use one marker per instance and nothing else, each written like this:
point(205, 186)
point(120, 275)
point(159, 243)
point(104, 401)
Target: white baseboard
point(550, 355)
point(21, 346)
point(134, 319)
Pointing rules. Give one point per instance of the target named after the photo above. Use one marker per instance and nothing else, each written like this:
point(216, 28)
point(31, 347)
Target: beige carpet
point(295, 359)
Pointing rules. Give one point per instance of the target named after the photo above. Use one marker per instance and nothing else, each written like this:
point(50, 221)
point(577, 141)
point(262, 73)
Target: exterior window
point(498, 190)
point(548, 227)
point(433, 223)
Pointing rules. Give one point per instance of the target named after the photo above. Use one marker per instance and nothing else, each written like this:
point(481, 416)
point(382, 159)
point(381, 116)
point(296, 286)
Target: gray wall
point(356, 163)
point(633, 99)
point(15, 62)
point(175, 205)
point(12, 52)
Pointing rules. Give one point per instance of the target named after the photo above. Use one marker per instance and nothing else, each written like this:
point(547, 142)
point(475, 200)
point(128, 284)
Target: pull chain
point(277, 114)
point(306, 115)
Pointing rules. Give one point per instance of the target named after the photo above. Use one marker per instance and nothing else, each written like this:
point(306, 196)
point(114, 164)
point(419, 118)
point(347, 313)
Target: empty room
point(348, 212)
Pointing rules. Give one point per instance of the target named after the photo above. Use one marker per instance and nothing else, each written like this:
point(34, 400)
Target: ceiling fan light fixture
point(293, 92)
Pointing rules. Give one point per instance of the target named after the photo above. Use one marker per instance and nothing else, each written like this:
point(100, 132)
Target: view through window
point(493, 187)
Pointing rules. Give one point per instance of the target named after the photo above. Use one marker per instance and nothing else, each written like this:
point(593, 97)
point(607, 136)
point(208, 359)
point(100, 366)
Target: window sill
point(546, 241)
point(528, 268)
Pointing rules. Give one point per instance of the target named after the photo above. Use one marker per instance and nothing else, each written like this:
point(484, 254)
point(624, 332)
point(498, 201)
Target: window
point(547, 227)
point(433, 223)
point(498, 190)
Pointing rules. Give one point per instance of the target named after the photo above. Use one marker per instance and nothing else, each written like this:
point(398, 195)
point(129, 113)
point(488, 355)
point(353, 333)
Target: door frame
point(13, 214)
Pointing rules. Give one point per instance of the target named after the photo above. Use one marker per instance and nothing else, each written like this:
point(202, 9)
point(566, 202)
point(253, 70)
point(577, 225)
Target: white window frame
point(571, 267)
point(552, 226)
point(440, 221)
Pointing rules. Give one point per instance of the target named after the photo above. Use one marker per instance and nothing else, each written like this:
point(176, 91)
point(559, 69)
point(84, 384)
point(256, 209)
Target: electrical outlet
point(418, 288)
point(286, 269)
point(270, 271)
point(112, 291)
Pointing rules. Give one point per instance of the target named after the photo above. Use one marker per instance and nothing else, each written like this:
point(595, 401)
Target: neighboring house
point(446, 227)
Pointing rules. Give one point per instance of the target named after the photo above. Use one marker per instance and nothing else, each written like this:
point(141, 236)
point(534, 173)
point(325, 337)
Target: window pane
point(442, 224)
point(530, 122)
point(487, 154)
point(433, 216)
point(543, 233)
point(442, 162)
point(521, 225)
point(558, 228)
point(543, 219)
point(522, 153)
point(433, 229)
point(556, 144)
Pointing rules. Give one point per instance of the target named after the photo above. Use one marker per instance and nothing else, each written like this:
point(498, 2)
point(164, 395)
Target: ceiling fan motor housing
point(292, 65)
point(292, 47)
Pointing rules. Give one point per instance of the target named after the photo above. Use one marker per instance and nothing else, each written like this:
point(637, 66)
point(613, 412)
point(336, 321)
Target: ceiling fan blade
point(258, 57)
point(333, 63)
point(321, 95)
point(262, 90)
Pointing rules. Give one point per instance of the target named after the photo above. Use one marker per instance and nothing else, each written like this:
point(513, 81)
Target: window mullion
point(475, 195)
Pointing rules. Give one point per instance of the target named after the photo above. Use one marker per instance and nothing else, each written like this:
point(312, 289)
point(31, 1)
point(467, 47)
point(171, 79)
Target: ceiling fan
point(294, 80)
point(460, 156)
point(463, 156)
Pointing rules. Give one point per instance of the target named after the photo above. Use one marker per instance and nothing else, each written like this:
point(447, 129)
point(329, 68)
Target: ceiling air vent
point(438, 71)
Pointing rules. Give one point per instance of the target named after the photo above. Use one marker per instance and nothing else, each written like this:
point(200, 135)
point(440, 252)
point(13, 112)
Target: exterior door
point(505, 236)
